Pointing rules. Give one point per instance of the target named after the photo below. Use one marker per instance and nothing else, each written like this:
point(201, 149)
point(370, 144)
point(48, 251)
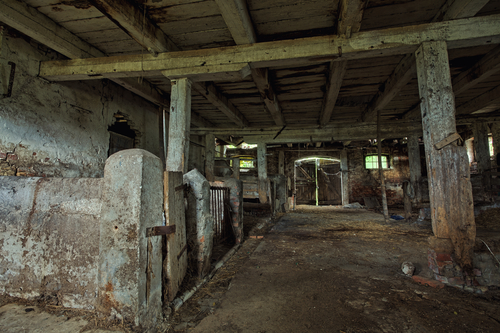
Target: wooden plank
point(458, 33)
point(484, 68)
point(491, 97)
point(350, 16)
point(212, 94)
point(261, 79)
point(450, 191)
point(446, 141)
point(174, 266)
point(337, 73)
point(456, 9)
point(179, 126)
point(404, 72)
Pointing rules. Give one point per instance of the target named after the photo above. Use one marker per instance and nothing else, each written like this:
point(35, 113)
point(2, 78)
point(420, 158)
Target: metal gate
point(220, 210)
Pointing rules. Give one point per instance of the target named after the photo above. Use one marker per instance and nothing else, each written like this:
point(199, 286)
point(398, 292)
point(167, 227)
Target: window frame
point(385, 166)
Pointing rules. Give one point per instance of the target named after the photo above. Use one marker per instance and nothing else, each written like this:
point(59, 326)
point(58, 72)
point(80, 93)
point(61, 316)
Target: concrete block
point(130, 278)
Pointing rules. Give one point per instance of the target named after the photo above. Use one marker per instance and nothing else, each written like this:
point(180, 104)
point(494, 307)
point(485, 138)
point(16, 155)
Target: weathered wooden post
point(236, 168)
point(415, 167)
point(281, 162)
point(495, 132)
point(450, 190)
point(481, 147)
point(381, 170)
point(209, 157)
point(177, 162)
point(344, 177)
point(262, 172)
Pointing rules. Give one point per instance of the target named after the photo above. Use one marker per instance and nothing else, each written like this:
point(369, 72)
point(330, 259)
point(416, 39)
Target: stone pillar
point(495, 132)
point(344, 177)
point(450, 191)
point(236, 204)
point(209, 157)
point(199, 221)
point(130, 263)
point(415, 167)
point(262, 172)
point(179, 126)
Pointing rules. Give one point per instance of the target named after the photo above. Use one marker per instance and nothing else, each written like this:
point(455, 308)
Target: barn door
point(329, 183)
point(305, 183)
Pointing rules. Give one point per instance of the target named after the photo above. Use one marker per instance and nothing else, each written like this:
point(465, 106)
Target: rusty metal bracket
point(11, 79)
point(160, 231)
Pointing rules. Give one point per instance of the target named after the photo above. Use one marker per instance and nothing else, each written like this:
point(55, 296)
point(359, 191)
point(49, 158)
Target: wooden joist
point(489, 100)
point(456, 9)
point(361, 45)
point(261, 78)
point(31, 22)
point(404, 72)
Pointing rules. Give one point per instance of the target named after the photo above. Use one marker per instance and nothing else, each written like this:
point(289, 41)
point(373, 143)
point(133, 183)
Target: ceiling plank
point(32, 23)
point(404, 72)
point(490, 99)
point(488, 65)
point(457, 9)
point(133, 21)
point(471, 32)
point(237, 18)
point(199, 121)
point(349, 21)
point(212, 94)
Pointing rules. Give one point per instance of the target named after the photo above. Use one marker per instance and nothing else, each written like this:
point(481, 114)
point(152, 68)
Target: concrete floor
point(338, 270)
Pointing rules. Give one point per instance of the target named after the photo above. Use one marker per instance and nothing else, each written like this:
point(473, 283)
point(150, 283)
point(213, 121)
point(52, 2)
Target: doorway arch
point(317, 181)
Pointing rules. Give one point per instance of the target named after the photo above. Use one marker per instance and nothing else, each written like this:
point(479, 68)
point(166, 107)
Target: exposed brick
point(2, 155)
point(455, 281)
point(428, 282)
point(443, 257)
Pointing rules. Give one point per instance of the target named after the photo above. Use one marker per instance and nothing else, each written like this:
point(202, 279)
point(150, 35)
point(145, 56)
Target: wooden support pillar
point(495, 132)
point(415, 167)
point(262, 172)
point(381, 170)
point(469, 145)
point(209, 157)
point(344, 177)
point(179, 126)
point(482, 152)
point(450, 191)
point(236, 168)
point(281, 162)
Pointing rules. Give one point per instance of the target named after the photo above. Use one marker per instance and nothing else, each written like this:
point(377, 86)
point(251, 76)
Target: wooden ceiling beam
point(349, 21)
point(214, 96)
point(490, 100)
point(404, 72)
point(237, 18)
point(362, 45)
point(133, 21)
point(457, 9)
point(36, 25)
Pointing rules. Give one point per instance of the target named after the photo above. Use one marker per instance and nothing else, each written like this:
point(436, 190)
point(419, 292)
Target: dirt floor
point(334, 270)
point(316, 269)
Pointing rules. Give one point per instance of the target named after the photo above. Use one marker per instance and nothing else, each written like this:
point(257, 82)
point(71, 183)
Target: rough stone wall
point(49, 239)
point(60, 129)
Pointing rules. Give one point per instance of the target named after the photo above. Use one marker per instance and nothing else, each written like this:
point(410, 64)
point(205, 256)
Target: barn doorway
point(318, 181)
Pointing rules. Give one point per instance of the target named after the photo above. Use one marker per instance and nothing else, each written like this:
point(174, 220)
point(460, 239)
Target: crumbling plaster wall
point(49, 239)
point(60, 129)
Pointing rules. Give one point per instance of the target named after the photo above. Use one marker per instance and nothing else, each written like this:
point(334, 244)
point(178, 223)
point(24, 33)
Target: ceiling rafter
point(239, 22)
point(349, 21)
point(452, 9)
point(133, 21)
point(32, 23)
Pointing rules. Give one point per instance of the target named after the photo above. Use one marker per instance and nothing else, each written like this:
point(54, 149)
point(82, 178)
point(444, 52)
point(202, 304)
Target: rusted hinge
point(159, 231)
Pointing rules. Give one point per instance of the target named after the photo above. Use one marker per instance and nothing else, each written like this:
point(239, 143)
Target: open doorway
point(318, 181)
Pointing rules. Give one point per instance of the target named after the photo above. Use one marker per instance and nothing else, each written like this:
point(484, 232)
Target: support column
point(481, 147)
point(209, 157)
point(415, 167)
point(344, 177)
point(450, 191)
point(175, 265)
point(495, 132)
point(281, 162)
point(236, 168)
point(179, 126)
point(262, 172)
